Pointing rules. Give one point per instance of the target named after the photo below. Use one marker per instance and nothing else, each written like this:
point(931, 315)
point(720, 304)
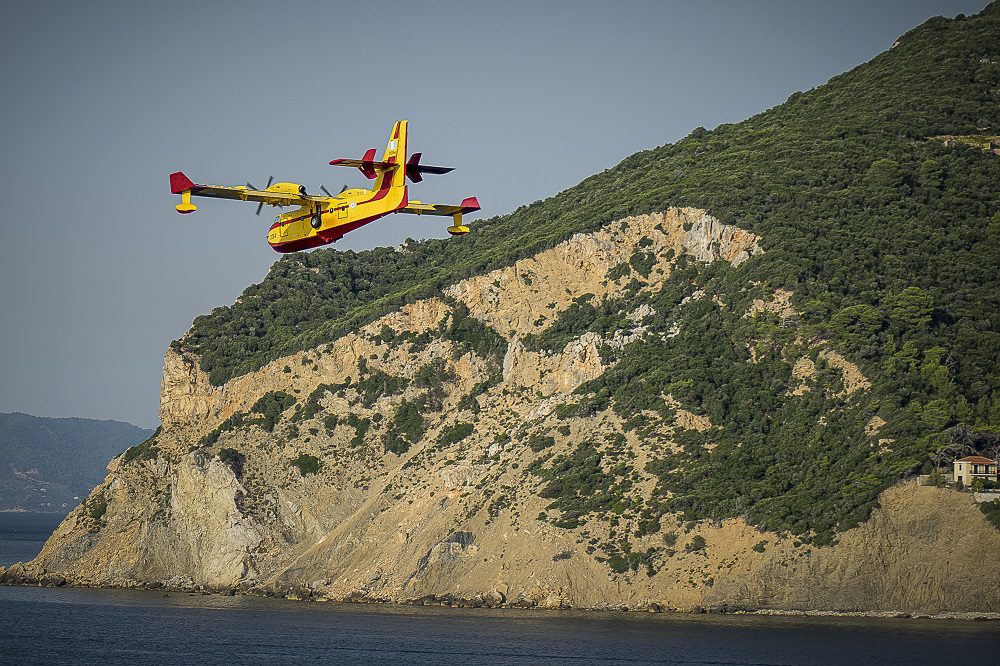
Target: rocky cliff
point(415, 457)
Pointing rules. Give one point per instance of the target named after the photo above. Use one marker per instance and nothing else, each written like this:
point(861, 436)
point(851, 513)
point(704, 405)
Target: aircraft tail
point(395, 153)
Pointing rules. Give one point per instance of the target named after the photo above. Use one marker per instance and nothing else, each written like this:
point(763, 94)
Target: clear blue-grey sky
point(101, 100)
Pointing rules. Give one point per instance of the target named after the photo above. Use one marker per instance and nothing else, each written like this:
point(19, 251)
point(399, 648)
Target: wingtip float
point(322, 219)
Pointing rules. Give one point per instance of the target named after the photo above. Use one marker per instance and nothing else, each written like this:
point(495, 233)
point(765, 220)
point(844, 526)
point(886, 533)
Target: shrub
point(455, 433)
point(936, 478)
point(540, 442)
point(406, 428)
point(466, 330)
point(378, 384)
point(578, 485)
point(145, 451)
point(234, 422)
point(992, 512)
point(270, 407)
point(361, 427)
point(696, 545)
point(642, 262)
point(330, 423)
point(97, 507)
point(233, 459)
point(312, 406)
point(648, 526)
point(307, 464)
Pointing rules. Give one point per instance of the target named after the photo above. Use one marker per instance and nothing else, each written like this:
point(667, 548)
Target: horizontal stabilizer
point(415, 170)
point(367, 164)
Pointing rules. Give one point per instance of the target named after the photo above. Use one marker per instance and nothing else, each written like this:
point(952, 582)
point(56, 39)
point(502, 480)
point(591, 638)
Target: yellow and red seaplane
point(320, 220)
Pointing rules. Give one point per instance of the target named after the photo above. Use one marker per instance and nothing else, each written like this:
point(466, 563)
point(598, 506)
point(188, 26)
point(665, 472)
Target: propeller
point(270, 180)
point(343, 189)
point(325, 191)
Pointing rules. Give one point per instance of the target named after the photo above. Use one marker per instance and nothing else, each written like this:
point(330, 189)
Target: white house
point(970, 468)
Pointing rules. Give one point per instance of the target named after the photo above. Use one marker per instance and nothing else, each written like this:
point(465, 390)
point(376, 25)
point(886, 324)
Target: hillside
point(51, 464)
point(703, 377)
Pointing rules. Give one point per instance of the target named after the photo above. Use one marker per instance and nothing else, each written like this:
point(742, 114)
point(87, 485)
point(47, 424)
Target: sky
point(102, 100)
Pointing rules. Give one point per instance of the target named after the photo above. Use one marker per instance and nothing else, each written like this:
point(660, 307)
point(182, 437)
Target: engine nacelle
point(287, 188)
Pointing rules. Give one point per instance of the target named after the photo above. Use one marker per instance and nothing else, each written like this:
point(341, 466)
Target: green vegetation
point(306, 464)
point(433, 377)
point(696, 545)
point(477, 336)
point(97, 507)
point(233, 459)
point(889, 241)
point(642, 262)
point(270, 407)
point(581, 316)
point(540, 442)
point(145, 451)
point(377, 384)
point(579, 485)
point(361, 427)
point(311, 406)
point(621, 558)
point(992, 512)
point(330, 422)
point(234, 422)
point(405, 429)
point(268, 410)
point(455, 433)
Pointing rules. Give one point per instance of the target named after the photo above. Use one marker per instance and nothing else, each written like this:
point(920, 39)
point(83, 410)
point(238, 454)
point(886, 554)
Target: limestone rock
point(460, 520)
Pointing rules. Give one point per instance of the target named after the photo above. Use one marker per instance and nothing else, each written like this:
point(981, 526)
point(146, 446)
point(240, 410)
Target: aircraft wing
point(246, 194)
point(419, 208)
point(180, 183)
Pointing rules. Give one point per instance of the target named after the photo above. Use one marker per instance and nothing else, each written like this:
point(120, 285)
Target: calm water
point(60, 626)
point(22, 535)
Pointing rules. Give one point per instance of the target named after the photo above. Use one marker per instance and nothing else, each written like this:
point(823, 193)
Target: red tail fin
point(367, 163)
point(413, 168)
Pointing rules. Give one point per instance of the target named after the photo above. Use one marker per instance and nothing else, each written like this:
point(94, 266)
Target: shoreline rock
point(18, 575)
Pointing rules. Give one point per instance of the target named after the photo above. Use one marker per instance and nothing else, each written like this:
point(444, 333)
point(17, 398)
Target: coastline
point(17, 575)
point(38, 513)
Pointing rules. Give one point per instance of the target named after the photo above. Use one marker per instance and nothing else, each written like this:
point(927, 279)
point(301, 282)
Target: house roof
point(978, 460)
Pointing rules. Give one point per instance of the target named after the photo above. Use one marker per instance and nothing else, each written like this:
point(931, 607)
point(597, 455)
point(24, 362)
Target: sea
point(77, 626)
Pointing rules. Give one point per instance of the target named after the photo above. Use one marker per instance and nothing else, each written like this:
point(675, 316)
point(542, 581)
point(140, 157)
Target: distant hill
point(49, 464)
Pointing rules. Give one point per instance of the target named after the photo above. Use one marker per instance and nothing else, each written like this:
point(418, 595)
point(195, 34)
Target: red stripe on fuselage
point(324, 237)
point(387, 177)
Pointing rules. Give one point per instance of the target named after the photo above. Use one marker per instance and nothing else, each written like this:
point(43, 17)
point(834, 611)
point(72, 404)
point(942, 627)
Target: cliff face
point(416, 455)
